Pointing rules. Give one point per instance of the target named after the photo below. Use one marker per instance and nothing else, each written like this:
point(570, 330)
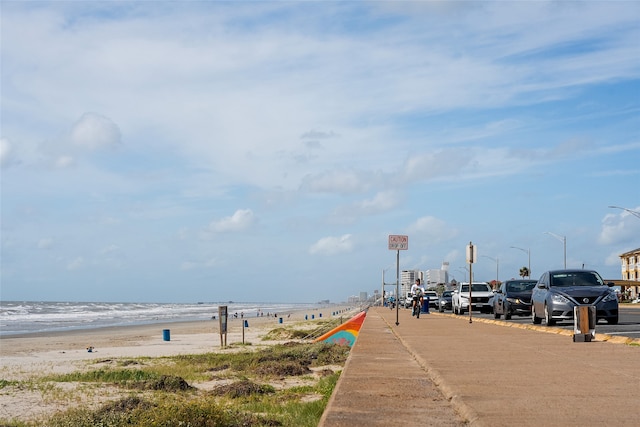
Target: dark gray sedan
point(444, 302)
point(513, 298)
point(559, 291)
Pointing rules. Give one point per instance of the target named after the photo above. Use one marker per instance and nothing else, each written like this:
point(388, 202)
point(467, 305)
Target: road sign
point(472, 253)
point(398, 242)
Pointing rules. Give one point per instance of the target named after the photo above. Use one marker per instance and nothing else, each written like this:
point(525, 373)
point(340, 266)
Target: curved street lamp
point(632, 212)
point(563, 239)
point(466, 273)
point(528, 252)
point(497, 266)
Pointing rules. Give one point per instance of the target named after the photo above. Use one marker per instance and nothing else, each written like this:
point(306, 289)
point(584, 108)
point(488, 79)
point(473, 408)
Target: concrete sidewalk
point(441, 370)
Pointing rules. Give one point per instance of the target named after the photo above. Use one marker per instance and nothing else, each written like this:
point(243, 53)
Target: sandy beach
point(30, 356)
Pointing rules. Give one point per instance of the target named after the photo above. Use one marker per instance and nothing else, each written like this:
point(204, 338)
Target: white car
point(481, 292)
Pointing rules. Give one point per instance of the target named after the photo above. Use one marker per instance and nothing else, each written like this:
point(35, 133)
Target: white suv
point(480, 292)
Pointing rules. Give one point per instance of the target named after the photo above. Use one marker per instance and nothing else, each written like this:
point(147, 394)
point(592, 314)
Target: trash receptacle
point(280, 320)
point(166, 335)
point(584, 323)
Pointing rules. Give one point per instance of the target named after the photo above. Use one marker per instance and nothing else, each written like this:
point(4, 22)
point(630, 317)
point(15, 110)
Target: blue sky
point(264, 151)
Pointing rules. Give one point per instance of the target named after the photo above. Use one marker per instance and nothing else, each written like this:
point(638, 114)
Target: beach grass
point(287, 384)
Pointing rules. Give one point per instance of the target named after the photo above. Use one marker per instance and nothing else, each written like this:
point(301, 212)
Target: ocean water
point(23, 317)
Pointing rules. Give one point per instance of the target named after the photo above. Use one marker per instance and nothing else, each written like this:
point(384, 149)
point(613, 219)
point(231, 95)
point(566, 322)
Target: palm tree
point(524, 272)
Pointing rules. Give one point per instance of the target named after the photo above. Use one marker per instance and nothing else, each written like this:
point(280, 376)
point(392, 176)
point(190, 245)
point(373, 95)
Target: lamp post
point(497, 266)
point(632, 212)
point(466, 273)
point(528, 251)
point(386, 284)
point(563, 239)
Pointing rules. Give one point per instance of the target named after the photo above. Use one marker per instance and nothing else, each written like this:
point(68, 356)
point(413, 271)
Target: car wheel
point(547, 316)
point(612, 320)
point(507, 312)
point(535, 319)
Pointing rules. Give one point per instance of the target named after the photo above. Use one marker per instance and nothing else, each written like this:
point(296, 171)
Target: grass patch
point(157, 391)
point(5, 383)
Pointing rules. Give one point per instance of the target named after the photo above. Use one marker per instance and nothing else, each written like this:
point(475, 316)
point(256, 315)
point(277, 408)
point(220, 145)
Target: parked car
point(480, 292)
point(557, 292)
point(444, 302)
point(513, 298)
point(408, 300)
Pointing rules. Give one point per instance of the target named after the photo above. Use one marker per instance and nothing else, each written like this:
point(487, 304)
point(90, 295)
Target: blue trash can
point(166, 334)
point(246, 323)
point(425, 305)
point(280, 320)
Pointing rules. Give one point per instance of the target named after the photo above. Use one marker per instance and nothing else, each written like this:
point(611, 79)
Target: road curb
point(548, 329)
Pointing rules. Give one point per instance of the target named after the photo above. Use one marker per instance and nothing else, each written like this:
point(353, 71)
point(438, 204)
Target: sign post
point(223, 315)
point(472, 255)
point(398, 243)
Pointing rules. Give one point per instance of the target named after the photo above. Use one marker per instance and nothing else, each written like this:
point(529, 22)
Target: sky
point(265, 151)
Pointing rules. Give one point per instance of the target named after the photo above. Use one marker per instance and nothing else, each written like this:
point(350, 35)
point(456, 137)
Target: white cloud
point(383, 201)
point(341, 181)
point(45, 243)
point(93, 131)
point(332, 245)
point(188, 265)
point(63, 162)
point(6, 151)
point(622, 228)
point(75, 264)
point(434, 229)
point(241, 220)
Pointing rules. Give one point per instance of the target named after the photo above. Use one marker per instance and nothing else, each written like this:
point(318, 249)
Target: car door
point(539, 294)
point(500, 297)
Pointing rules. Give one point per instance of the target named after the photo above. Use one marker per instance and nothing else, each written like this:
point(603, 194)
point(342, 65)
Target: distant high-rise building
point(436, 277)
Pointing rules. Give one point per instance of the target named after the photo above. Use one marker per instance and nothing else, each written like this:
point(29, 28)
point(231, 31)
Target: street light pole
point(466, 272)
point(497, 266)
point(563, 239)
point(528, 251)
point(632, 212)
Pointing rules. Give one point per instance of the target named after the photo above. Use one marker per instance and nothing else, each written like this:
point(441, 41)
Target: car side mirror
point(542, 286)
point(610, 284)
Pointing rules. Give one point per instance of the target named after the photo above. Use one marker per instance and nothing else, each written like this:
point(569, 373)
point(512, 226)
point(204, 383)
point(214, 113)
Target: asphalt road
point(628, 323)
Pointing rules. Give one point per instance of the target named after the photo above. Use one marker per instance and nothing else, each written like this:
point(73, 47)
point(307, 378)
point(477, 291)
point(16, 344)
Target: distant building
point(631, 265)
point(436, 277)
point(407, 279)
point(363, 296)
point(630, 283)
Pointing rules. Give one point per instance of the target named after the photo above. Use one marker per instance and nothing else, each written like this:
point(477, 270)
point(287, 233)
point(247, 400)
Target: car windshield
point(579, 278)
point(477, 287)
point(446, 294)
point(520, 286)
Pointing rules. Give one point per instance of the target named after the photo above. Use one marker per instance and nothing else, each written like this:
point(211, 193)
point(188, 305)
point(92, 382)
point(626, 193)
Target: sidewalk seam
point(468, 414)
